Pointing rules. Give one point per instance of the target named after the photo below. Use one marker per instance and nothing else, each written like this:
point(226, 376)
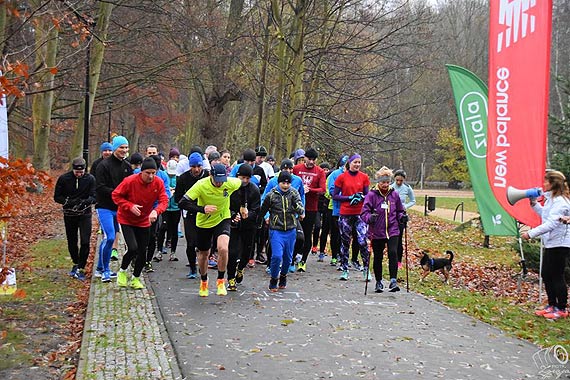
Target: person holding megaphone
point(555, 236)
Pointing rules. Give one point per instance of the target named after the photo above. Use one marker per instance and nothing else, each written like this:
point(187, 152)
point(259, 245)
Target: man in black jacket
point(244, 207)
point(183, 184)
point(110, 173)
point(75, 190)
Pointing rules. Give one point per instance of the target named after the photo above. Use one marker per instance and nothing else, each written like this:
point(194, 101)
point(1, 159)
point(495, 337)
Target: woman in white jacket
point(556, 239)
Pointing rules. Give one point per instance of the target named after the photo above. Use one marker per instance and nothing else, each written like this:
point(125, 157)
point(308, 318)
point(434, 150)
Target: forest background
point(362, 76)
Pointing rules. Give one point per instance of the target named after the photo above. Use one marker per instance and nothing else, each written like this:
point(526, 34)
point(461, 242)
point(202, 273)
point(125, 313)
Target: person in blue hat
point(106, 150)
point(110, 173)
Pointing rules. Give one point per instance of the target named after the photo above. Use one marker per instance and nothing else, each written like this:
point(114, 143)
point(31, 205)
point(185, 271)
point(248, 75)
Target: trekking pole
point(367, 270)
point(406, 251)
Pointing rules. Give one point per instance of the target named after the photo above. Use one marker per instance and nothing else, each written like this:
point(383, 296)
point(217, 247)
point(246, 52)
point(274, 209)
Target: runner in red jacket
point(140, 198)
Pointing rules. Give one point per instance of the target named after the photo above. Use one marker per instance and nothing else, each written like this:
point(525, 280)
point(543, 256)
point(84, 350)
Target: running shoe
point(106, 276)
point(321, 257)
point(136, 283)
point(302, 267)
point(73, 271)
point(80, 275)
point(333, 262)
point(98, 273)
point(268, 270)
point(158, 257)
point(212, 264)
point(221, 287)
point(367, 275)
point(239, 276)
point(112, 274)
point(148, 267)
point(546, 310)
point(393, 287)
point(344, 275)
point(114, 255)
point(292, 268)
point(192, 274)
point(379, 287)
point(399, 265)
point(314, 250)
point(273, 285)
point(173, 257)
point(232, 286)
point(122, 279)
point(557, 314)
point(260, 259)
point(283, 281)
point(203, 292)
point(251, 263)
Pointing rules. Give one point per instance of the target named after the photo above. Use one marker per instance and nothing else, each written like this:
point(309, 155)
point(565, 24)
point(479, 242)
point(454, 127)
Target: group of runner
point(234, 215)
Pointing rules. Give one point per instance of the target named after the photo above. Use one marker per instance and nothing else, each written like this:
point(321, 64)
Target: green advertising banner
point(470, 95)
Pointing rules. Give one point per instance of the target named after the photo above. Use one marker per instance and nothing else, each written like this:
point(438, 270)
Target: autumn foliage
point(18, 179)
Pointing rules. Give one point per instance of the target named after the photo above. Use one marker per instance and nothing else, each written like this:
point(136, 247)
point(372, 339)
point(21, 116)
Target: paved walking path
point(124, 336)
point(318, 328)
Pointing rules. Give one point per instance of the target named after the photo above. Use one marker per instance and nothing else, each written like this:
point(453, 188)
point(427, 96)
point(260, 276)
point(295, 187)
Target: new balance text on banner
point(470, 95)
point(519, 58)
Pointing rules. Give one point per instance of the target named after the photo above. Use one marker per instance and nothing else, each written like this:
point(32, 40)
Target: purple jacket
point(383, 223)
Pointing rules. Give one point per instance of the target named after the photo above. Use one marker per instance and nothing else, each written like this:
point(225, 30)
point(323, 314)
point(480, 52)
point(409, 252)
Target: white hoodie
point(552, 231)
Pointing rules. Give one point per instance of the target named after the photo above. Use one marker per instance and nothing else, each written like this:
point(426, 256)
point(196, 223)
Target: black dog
point(431, 265)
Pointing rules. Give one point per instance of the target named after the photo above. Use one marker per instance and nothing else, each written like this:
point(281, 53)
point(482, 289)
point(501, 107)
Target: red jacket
point(316, 179)
point(133, 191)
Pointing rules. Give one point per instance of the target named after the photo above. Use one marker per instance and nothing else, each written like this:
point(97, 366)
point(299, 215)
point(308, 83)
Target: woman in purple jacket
point(382, 211)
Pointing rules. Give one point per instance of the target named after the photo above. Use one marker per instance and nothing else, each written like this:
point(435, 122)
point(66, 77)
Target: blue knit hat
point(195, 159)
point(106, 146)
point(118, 141)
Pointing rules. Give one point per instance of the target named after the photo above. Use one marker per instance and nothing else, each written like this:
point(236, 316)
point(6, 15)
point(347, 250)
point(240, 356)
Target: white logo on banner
point(519, 24)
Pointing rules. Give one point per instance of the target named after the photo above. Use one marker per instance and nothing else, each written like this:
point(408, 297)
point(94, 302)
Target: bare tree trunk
point(261, 95)
point(96, 61)
point(223, 89)
point(42, 102)
point(3, 25)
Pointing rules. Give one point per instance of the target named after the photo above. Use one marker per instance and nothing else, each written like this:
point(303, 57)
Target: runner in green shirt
point(210, 199)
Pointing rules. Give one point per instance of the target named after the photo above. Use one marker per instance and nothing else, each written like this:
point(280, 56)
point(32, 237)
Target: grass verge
point(450, 203)
point(36, 322)
point(488, 289)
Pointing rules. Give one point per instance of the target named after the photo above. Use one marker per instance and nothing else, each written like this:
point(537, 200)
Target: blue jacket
point(330, 186)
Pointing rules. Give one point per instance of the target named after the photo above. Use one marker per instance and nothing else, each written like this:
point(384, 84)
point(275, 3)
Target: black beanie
point(148, 163)
point(311, 153)
point(136, 158)
point(249, 155)
point(245, 170)
point(284, 177)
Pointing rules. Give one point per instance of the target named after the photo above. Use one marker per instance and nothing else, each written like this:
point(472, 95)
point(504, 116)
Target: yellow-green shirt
point(207, 194)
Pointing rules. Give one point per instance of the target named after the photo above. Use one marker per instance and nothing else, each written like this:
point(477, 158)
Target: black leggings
point(190, 233)
point(322, 229)
point(335, 237)
point(553, 264)
point(240, 247)
point(169, 229)
point(307, 223)
point(400, 242)
point(81, 223)
point(151, 244)
point(137, 242)
point(378, 248)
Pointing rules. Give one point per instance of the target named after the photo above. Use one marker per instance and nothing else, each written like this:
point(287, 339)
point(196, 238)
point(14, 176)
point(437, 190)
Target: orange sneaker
point(203, 292)
point(545, 310)
point(221, 287)
point(557, 314)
